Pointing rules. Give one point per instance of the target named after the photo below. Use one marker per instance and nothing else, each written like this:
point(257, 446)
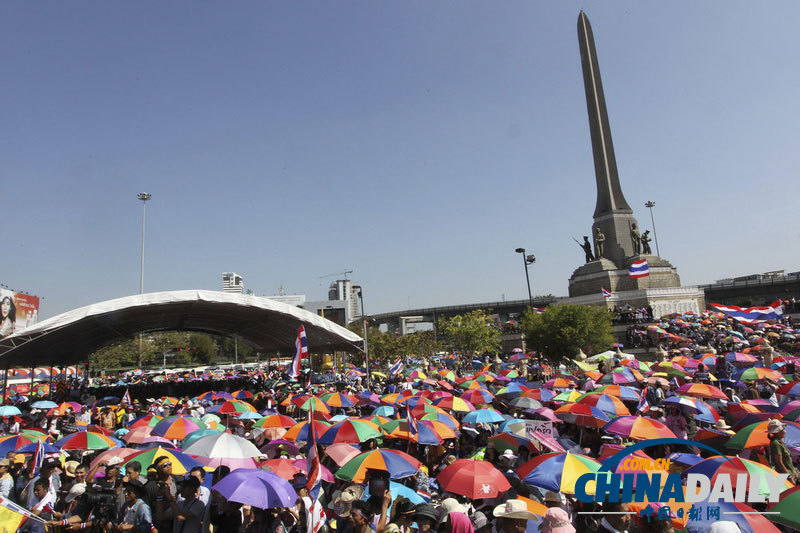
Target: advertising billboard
point(17, 311)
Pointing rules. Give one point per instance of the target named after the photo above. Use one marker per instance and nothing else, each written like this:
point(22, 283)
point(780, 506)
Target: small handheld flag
point(639, 269)
point(412, 423)
point(126, 398)
point(644, 405)
point(312, 461)
point(300, 351)
point(38, 457)
point(606, 293)
point(397, 367)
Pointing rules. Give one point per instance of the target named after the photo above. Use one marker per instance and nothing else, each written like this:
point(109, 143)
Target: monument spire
point(609, 193)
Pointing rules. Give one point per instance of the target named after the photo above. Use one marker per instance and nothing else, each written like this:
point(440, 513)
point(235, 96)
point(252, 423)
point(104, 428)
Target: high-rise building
point(232, 282)
point(342, 289)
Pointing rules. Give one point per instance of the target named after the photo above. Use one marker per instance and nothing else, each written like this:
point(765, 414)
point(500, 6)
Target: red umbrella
point(473, 478)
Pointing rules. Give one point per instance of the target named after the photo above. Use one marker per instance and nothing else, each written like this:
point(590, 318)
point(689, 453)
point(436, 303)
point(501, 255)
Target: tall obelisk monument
point(613, 217)
point(612, 214)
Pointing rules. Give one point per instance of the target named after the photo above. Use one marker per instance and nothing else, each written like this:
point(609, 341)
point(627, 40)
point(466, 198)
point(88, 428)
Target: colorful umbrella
point(557, 472)
point(337, 399)
point(232, 407)
point(582, 414)
point(787, 510)
point(620, 391)
point(222, 445)
point(85, 440)
point(483, 416)
point(299, 432)
point(177, 427)
point(748, 519)
point(753, 374)
point(473, 478)
point(478, 396)
point(181, 462)
point(395, 462)
point(638, 428)
point(713, 466)
point(454, 403)
point(511, 441)
point(147, 420)
point(350, 432)
point(701, 390)
point(755, 436)
point(275, 421)
point(608, 404)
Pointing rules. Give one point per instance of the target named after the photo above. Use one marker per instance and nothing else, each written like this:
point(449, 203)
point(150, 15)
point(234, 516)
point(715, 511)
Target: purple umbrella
point(280, 445)
point(256, 487)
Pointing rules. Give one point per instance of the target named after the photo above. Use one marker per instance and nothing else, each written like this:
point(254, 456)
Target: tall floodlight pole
point(650, 205)
point(364, 319)
point(527, 260)
point(144, 197)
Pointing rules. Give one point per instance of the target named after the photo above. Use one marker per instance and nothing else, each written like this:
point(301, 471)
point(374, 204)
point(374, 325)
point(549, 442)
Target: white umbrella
point(223, 445)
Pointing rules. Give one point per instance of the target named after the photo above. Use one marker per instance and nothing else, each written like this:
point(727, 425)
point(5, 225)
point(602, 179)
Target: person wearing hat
point(780, 458)
point(556, 520)
point(512, 516)
point(6, 481)
point(361, 517)
point(480, 524)
point(721, 425)
point(402, 515)
point(135, 514)
point(425, 515)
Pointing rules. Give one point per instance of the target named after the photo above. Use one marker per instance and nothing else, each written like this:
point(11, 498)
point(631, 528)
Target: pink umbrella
point(341, 453)
point(154, 438)
point(326, 474)
point(137, 434)
point(547, 414)
point(115, 456)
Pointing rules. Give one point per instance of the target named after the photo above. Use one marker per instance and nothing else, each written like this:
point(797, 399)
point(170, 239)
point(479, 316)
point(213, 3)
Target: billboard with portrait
point(17, 311)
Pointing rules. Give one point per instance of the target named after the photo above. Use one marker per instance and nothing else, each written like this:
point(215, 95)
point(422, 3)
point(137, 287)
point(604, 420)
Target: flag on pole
point(300, 351)
point(751, 315)
point(644, 405)
point(312, 460)
point(606, 293)
point(127, 397)
point(412, 424)
point(639, 269)
point(38, 457)
point(396, 368)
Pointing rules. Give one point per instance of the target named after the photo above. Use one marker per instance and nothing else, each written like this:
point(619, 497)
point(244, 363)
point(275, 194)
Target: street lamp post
point(527, 260)
point(650, 205)
point(364, 319)
point(144, 197)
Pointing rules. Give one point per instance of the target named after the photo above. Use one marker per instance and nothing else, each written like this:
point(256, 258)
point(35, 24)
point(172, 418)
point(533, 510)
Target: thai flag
point(396, 368)
point(38, 457)
point(300, 351)
point(752, 315)
point(639, 269)
point(312, 460)
point(412, 424)
point(127, 397)
point(606, 293)
point(644, 405)
point(539, 310)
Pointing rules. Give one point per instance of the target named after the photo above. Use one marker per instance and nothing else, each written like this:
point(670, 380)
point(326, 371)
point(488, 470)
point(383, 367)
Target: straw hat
point(720, 424)
point(70, 467)
point(775, 426)
point(514, 509)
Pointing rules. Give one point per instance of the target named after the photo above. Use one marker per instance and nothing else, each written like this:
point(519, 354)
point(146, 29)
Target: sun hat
point(720, 424)
point(552, 497)
point(5, 462)
point(775, 426)
point(449, 505)
point(478, 520)
point(508, 454)
point(69, 468)
point(556, 520)
point(19, 459)
point(427, 510)
point(514, 509)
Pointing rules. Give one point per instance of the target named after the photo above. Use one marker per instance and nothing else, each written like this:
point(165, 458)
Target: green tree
point(563, 330)
point(203, 347)
point(471, 332)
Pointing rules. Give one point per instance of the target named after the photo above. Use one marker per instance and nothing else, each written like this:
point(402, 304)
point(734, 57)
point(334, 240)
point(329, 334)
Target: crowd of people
point(434, 447)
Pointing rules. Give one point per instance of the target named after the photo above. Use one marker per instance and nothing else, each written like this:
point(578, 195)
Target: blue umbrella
point(249, 415)
point(384, 410)
point(483, 416)
point(44, 404)
point(9, 410)
point(256, 487)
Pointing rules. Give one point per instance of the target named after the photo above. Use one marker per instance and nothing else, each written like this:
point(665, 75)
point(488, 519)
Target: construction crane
point(345, 273)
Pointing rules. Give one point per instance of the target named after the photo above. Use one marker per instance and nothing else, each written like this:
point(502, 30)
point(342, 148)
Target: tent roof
point(266, 324)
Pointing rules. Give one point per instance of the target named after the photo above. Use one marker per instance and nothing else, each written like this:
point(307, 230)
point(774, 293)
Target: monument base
point(603, 273)
point(664, 301)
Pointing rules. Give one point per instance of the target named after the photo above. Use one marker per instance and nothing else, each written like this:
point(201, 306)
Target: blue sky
point(416, 143)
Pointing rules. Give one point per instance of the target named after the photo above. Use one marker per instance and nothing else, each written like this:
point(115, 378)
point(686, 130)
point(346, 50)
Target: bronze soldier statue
point(587, 248)
point(599, 240)
point(646, 242)
point(636, 238)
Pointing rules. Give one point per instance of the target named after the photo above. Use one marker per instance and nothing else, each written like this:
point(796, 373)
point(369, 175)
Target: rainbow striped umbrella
point(713, 466)
point(755, 436)
point(9, 443)
point(791, 389)
point(147, 420)
point(454, 404)
point(213, 396)
point(299, 432)
point(232, 407)
point(181, 462)
point(177, 427)
point(559, 383)
point(543, 395)
point(511, 441)
point(606, 403)
point(85, 440)
point(567, 396)
point(740, 358)
point(350, 432)
point(513, 390)
point(622, 376)
point(315, 404)
point(620, 391)
point(417, 374)
point(753, 374)
point(701, 390)
point(428, 432)
point(275, 421)
point(478, 396)
point(582, 414)
point(638, 428)
point(395, 462)
point(557, 472)
point(440, 416)
point(748, 519)
point(242, 394)
point(337, 399)
point(412, 401)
